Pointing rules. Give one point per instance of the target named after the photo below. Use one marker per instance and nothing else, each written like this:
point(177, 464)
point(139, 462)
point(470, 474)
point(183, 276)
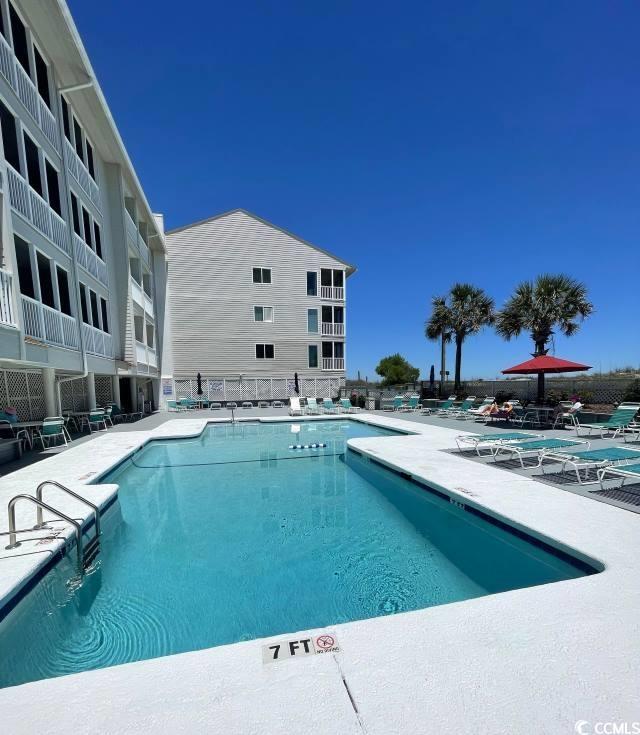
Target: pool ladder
point(86, 553)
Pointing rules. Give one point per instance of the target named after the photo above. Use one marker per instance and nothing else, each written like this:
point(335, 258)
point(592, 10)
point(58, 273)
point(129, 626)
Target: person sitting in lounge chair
point(501, 413)
point(490, 408)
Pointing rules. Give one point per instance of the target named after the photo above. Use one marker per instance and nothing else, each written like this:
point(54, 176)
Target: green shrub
point(633, 391)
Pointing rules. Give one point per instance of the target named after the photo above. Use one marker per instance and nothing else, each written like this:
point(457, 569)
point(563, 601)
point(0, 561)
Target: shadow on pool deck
point(628, 498)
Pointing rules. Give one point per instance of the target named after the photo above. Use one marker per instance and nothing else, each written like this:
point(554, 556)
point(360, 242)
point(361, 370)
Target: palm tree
point(464, 311)
point(542, 306)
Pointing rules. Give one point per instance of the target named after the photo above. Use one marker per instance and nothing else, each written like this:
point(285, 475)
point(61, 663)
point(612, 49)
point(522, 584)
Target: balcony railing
point(27, 92)
point(90, 261)
point(6, 299)
point(334, 293)
point(137, 293)
point(333, 329)
point(79, 172)
point(136, 238)
point(97, 342)
point(49, 325)
point(333, 363)
point(145, 355)
point(36, 210)
point(148, 304)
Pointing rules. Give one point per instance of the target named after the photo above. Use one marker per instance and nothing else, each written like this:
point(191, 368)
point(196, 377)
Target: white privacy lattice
point(73, 394)
point(104, 393)
point(256, 389)
point(24, 390)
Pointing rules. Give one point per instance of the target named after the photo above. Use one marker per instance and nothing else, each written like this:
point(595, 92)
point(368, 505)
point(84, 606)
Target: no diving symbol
point(325, 641)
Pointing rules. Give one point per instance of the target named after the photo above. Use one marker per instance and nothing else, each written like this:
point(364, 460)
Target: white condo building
point(82, 257)
point(250, 305)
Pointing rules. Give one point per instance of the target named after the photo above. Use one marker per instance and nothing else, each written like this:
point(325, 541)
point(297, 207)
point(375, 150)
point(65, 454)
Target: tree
point(542, 306)
point(395, 370)
point(464, 311)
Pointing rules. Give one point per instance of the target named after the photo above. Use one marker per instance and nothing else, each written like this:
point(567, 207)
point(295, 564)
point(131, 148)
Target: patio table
point(536, 415)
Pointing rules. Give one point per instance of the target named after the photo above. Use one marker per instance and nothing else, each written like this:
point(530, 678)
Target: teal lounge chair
point(329, 406)
point(624, 473)
point(347, 406)
point(490, 440)
point(398, 403)
point(446, 406)
point(412, 405)
point(463, 408)
point(587, 460)
point(312, 406)
point(537, 447)
point(621, 418)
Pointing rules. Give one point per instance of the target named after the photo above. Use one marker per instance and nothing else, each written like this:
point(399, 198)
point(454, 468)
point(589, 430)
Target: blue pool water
point(233, 536)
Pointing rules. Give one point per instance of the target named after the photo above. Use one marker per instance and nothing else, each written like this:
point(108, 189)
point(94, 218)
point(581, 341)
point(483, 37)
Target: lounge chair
point(174, 406)
point(627, 471)
point(329, 406)
point(537, 447)
point(263, 404)
point(491, 440)
point(348, 407)
point(247, 404)
point(215, 406)
point(413, 404)
point(294, 407)
point(477, 412)
point(277, 404)
point(463, 408)
point(312, 406)
point(398, 403)
point(590, 459)
point(231, 405)
point(446, 406)
point(621, 418)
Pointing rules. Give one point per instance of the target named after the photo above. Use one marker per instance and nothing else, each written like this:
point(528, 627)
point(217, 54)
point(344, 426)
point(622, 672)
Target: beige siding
point(211, 296)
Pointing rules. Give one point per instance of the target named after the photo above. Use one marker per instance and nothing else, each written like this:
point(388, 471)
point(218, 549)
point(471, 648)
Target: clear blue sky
point(424, 142)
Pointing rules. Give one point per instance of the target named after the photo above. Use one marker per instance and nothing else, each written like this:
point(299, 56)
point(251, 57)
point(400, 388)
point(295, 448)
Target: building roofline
point(350, 268)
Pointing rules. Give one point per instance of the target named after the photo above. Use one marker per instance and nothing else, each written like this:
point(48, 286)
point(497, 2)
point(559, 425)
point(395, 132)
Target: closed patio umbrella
point(540, 365)
point(199, 384)
point(432, 379)
point(296, 384)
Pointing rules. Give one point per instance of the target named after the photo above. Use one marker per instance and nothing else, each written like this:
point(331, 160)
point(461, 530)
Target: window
point(338, 349)
point(2, 28)
point(83, 303)
point(105, 316)
point(9, 137)
point(75, 213)
point(19, 33)
point(97, 239)
point(77, 133)
point(138, 328)
point(338, 279)
point(263, 313)
point(63, 290)
point(312, 283)
point(86, 221)
point(33, 164)
point(327, 314)
point(53, 187)
point(146, 283)
point(150, 335)
point(94, 309)
point(134, 268)
point(42, 77)
point(327, 349)
point(46, 281)
point(264, 352)
point(313, 356)
point(326, 277)
point(312, 320)
point(262, 275)
point(90, 163)
point(25, 274)
point(65, 118)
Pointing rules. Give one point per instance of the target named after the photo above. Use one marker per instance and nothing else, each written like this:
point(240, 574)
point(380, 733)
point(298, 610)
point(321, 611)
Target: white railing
point(151, 357)
point(88, 260)
point(97, 342)
point(136, 293)
point(145, 254)
point(36, 210)
point(334, 293)
point(49, 325)
point(333, 363)
point(131, 228)
point(141, 352)
point(148, 304)
point(333, 329)
point(28, 93)
point(80, 173)
point(6, 298)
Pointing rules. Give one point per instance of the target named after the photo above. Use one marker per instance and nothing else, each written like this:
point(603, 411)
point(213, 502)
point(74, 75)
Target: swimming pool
point(233, 536)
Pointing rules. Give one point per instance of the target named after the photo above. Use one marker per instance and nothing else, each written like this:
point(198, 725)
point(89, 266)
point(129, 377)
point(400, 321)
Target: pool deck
point(534, 660)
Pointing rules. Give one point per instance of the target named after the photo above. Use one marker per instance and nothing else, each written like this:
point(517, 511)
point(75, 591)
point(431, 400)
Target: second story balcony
point(49, 325)
point(80, 173)
point(332, 329)
point(333, 363)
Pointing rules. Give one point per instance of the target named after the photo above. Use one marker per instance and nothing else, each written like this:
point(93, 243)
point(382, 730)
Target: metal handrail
point(39, 520)
point(14, 543)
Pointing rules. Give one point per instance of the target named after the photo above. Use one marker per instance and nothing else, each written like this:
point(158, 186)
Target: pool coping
point(550, 645)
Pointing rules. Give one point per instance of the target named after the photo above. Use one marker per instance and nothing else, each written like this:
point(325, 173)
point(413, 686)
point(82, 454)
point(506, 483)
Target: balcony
point(332, 293)
point(137, 294)
point(333, 363)
point(79, 171)
point(26, 91)
point(36, 210)
point(148, 304)
point(136, 238)
point(49, 325)
point(6, 299)
point(333, 329)
point(97, 342)
point(145, 356)
point(90, 261)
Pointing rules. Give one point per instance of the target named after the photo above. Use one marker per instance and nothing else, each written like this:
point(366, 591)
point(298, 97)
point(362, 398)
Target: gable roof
point(350, 268)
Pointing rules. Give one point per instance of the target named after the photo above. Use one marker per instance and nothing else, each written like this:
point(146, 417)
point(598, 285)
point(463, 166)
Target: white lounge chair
point(312, 406)
point(294, 407)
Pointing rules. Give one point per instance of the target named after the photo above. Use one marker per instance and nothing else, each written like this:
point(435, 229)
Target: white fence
point(24, 390)
point(257, 389)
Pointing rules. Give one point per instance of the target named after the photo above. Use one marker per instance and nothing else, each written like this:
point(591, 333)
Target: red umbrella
point(545, 364)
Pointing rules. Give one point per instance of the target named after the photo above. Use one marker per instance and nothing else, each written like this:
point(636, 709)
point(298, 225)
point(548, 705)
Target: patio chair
point(52, 428)
point(95, 421)
point(231, 404)
point(7, 428)
point(537, 447)
point(348, 407)
point(247, 404)
point(312, 406)
point(108, 410)
point(446, 406)
point(463, 409)
point(295, 409)
point(413, 404)
point(215, 406)
point(590, 459)
point(621, 418)
point(477, 441)
point(398, 403)
point(263, 404)
point(277, 404)
point(329, 406)
point(569, 414)
point(173, 406)
point(627, 471)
